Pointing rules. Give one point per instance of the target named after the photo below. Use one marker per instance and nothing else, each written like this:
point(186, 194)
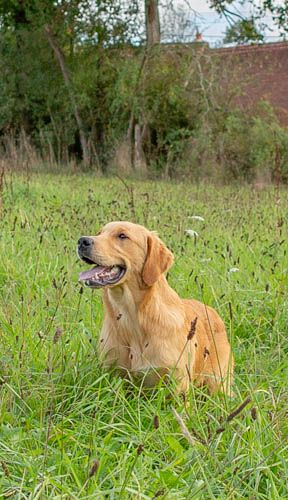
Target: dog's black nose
point(85, 242)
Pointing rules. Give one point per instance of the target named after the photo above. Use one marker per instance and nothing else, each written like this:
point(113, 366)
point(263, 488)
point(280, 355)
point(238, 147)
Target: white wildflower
point(233, 270)
point(198, 483)
point(196, 217)
point(191, 232)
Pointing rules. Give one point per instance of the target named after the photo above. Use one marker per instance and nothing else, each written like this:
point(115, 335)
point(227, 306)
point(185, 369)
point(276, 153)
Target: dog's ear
point(158, 260)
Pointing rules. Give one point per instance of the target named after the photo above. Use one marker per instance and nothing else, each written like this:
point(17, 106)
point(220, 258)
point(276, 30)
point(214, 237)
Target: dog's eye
point(122, 236)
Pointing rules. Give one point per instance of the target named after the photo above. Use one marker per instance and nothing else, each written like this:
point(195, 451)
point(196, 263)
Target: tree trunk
point(152, 22)
point(140, 163)
point(61, 60)
point(138, 133)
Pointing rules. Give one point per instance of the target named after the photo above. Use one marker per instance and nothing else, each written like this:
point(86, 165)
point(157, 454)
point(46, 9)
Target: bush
point(235, 146)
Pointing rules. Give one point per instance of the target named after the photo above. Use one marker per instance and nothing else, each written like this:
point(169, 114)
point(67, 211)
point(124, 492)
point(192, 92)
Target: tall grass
point(71, 430)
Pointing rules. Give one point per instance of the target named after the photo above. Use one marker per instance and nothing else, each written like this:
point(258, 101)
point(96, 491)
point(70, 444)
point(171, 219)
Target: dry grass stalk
point(183, 427)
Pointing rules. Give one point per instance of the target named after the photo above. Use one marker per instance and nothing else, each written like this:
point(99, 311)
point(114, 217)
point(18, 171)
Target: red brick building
point(264, 69)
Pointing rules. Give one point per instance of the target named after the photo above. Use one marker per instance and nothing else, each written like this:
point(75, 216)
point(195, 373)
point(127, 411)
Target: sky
point(192, 13)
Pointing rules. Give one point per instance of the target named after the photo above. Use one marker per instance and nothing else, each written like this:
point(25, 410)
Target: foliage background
point(182, 98)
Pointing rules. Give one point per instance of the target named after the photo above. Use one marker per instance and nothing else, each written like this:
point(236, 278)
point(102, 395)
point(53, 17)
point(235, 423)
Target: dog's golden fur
point(146, 323)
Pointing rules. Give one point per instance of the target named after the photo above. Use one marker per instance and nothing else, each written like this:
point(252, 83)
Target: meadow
point(68, 428)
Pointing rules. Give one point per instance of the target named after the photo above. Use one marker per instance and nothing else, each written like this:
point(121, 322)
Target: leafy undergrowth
point(71, 430)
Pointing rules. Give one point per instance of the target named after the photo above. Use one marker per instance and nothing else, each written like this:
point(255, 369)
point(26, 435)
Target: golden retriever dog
point(147, 327)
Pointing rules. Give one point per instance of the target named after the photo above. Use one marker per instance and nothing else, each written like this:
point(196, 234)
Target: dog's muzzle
point(99, 276)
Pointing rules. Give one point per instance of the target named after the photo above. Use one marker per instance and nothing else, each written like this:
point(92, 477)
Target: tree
point(61, 60)
point(278, 9)
point(138, 129)
point(243, 31)
point(152, 22)
point(141, 127)
point(62, 32)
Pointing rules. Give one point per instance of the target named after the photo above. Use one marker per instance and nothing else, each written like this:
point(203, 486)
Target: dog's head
point(121, 251)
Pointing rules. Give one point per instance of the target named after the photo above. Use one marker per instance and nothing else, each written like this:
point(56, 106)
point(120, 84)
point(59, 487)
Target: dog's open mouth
point(100, 276)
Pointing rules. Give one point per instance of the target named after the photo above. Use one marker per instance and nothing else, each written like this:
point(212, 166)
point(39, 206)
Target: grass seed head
point(192, 330)
point(156, 422)
point(57, 335)
point(94, 468)
point(140, 449)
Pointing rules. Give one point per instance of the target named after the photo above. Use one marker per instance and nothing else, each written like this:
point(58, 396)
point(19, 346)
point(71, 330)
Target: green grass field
point(68, 429)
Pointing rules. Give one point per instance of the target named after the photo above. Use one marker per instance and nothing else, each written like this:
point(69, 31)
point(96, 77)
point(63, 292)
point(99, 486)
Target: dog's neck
point(158, 303)
point(132, 291)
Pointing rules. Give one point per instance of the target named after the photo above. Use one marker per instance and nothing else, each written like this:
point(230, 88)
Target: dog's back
point(213, 363)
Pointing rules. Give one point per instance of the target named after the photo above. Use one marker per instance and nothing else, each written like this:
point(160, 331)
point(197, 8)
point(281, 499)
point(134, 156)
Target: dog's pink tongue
point(87, 275)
